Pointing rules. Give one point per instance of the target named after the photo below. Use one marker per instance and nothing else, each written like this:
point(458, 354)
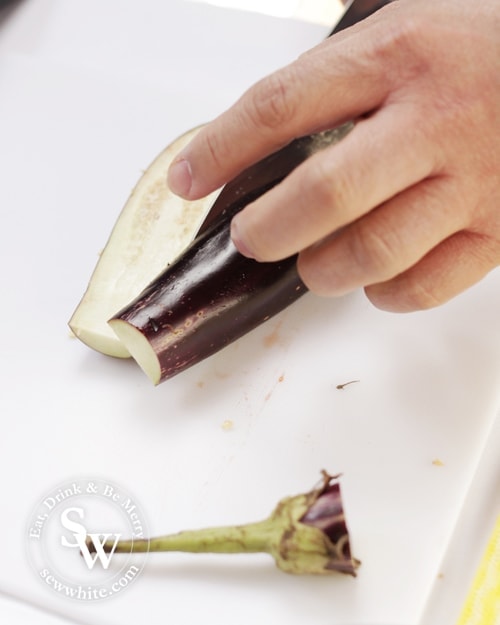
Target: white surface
point(91, 92)
point(475, 526)
point(18, 612)
point(316, 11)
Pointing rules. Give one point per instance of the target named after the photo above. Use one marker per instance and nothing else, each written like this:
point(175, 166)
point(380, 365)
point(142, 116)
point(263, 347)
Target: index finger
point(338, 80)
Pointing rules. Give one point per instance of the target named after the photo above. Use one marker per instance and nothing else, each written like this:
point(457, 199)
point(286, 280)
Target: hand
point(408, 204)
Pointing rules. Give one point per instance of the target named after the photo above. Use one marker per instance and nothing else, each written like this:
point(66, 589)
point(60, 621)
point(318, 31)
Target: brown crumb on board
point(341, 387)
point(437, 462)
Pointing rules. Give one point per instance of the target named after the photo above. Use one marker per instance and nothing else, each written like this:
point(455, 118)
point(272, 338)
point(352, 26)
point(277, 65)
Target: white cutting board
point(90, 94)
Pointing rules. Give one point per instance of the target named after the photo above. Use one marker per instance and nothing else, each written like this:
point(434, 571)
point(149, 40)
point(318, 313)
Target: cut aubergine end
point(138, 347)
point(101, 342)
point(153, 228)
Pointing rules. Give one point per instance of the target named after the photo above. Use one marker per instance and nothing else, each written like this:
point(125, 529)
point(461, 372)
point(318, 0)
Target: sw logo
point(80, 535)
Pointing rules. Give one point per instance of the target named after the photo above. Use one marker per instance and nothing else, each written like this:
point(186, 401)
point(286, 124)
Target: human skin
point(407, 206)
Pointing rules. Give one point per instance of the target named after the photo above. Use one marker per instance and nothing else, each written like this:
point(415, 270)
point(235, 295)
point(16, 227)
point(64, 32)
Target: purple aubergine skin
point(212, 295)
point(327, 515)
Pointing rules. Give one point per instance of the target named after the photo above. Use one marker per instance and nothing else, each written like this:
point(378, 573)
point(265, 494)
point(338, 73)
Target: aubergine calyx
point(212, 295)
point(153, 228)
point(306, 534)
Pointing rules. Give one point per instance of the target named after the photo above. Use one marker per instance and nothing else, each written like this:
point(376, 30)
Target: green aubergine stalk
point(212, 295)
point(306, 534)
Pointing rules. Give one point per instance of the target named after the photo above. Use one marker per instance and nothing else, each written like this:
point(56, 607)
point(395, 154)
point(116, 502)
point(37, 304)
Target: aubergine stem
point(305, 534)
point(250, 538)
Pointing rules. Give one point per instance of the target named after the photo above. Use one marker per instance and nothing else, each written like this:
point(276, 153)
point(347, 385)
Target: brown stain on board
point(221, 375)
point(274, 338)
point(270, 393)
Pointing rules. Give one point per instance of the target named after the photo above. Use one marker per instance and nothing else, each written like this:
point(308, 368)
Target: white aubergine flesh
point(152, 230)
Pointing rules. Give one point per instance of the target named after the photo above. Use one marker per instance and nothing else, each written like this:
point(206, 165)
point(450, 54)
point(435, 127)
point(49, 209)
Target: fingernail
point(238, 241)
point(179, 177)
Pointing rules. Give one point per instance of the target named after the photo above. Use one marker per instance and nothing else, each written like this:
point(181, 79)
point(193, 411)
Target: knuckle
point(422, 294)
point(400, 47)
point(327, 191)
point(401, 34)
point(272, 102)
point(375, 251)
point(406, 30)
point(218, 150)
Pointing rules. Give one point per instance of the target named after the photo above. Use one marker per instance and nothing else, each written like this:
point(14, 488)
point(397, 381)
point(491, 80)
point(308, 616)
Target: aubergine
point(212, 295)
